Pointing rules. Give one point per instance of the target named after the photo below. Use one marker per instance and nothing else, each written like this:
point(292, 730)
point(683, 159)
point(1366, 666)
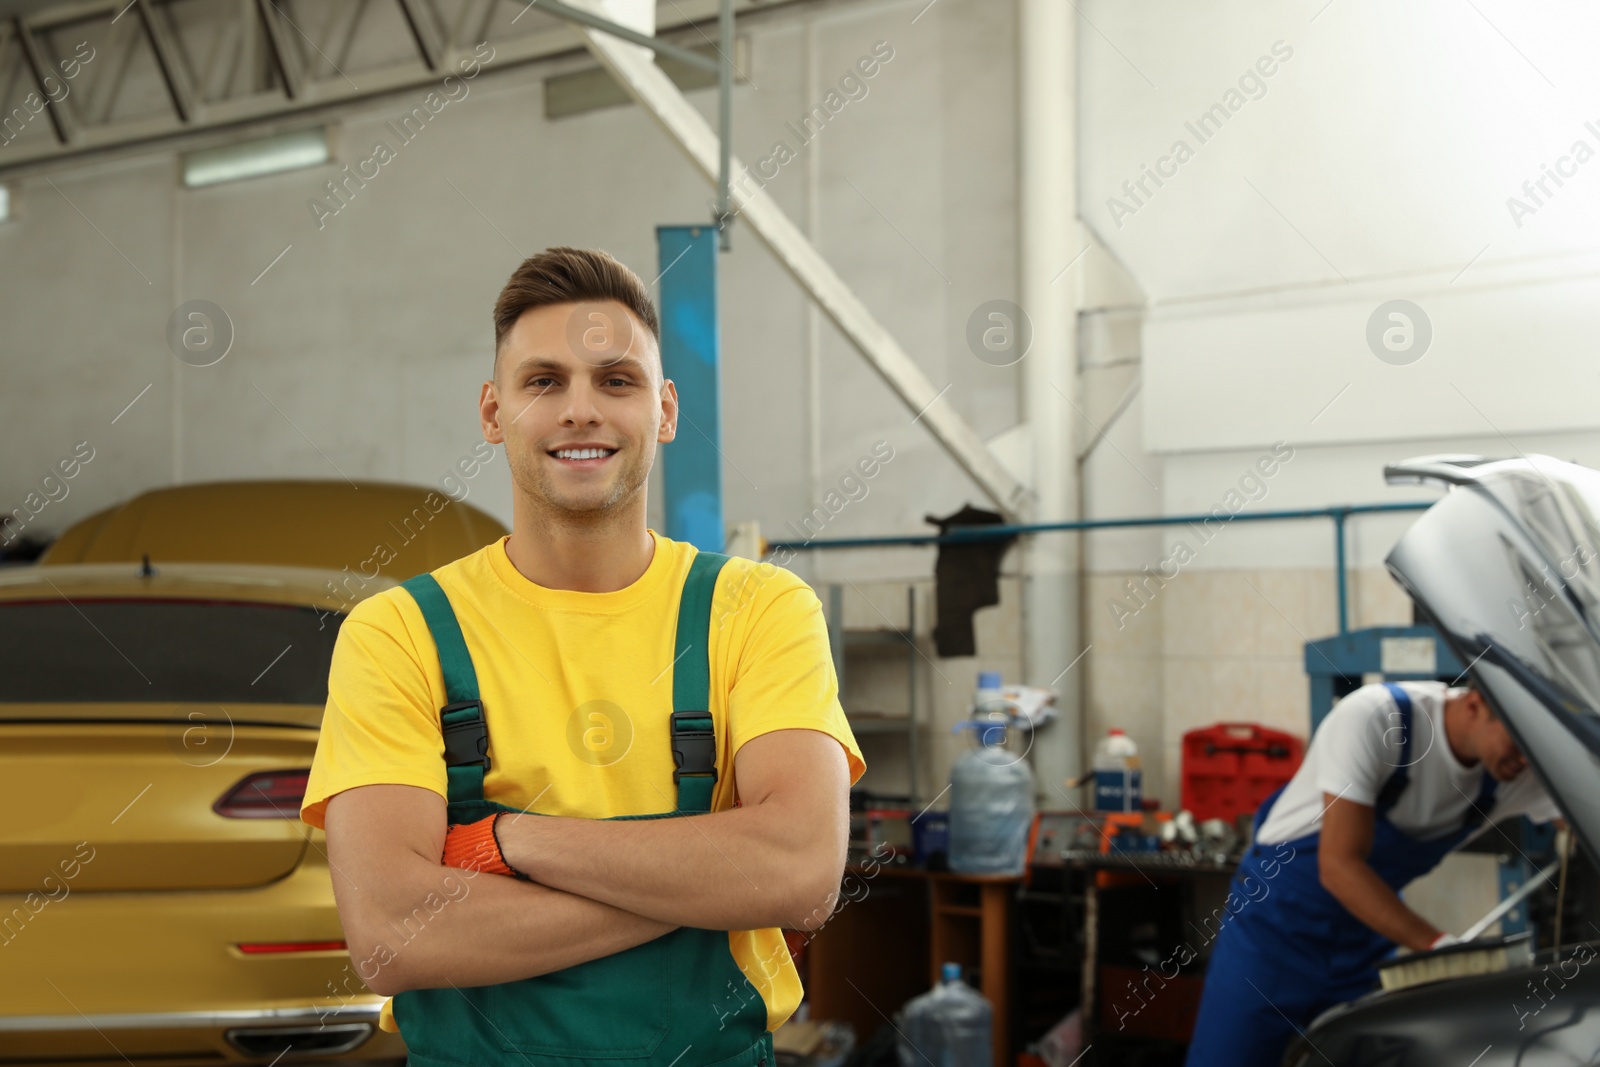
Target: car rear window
point(121, 650)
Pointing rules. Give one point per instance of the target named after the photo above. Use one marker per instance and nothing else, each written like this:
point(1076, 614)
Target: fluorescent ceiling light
point(5, 203)
point(252, 159)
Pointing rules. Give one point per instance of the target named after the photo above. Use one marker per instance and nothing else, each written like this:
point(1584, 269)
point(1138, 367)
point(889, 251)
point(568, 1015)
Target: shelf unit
point(842, 639)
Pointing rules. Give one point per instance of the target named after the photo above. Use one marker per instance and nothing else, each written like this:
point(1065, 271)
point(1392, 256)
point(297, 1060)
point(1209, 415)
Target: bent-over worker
point(1397, 776)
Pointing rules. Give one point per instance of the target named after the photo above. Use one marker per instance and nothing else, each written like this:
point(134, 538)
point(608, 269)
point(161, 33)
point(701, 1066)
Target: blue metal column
point(689, 348)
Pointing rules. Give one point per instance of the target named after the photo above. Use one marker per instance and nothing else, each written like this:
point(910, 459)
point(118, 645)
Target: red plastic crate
point(1230, 768)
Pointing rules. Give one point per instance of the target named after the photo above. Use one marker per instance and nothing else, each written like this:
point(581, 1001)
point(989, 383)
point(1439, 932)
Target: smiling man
point(567, 813)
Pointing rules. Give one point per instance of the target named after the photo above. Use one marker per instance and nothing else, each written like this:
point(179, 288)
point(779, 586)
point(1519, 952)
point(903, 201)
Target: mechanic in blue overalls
point(1397, 776)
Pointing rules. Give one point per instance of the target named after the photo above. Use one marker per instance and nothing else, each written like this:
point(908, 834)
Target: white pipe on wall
point(1048, 294)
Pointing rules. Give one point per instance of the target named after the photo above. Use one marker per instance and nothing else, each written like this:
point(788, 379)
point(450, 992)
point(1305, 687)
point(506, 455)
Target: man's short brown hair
point(565, 275)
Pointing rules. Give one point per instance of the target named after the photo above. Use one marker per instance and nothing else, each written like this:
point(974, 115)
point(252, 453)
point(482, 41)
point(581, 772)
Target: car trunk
point(155, 742)
point(102, 804)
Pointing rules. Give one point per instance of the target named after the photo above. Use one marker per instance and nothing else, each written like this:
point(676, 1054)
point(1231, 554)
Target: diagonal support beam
point(637, 73)
point(278, 45)
point(350, 34)
point(166, 51)
point(224, 42)
point(33, 55)
point(423, 32)
point(106, 82)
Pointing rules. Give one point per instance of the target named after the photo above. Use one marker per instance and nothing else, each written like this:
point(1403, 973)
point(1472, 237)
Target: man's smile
point(583, 457)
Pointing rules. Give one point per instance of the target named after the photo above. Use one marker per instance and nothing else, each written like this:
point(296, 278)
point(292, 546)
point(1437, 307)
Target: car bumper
point(158, 978)
point(331, 1032)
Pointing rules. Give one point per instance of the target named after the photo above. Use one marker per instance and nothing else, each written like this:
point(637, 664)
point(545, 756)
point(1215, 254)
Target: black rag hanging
point(966, 577)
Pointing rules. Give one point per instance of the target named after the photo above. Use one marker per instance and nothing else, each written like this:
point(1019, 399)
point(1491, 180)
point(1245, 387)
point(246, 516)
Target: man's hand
point(475, 846)
point(413, 923)
point(1347, 832)
point(776, 860)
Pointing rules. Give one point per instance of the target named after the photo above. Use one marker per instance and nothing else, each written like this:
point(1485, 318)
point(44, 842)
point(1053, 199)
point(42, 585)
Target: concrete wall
point(1376, 162)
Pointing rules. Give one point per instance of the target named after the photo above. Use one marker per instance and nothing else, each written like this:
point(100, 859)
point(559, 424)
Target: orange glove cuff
point(472, 846)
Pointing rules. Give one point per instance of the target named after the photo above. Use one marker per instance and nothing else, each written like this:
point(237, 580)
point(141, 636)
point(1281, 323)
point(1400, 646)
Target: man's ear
point(669, 412)
point(489, 414)
point(1483, 707)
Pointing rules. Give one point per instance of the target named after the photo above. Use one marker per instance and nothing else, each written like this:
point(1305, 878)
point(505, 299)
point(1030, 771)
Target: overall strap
point(694, 741)
point(466, 734)
point(1264, 810)
point(1390, 793)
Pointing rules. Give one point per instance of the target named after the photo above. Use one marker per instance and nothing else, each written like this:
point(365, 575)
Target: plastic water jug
point(991, 799)
point(948, 1026)
point(1118, 781)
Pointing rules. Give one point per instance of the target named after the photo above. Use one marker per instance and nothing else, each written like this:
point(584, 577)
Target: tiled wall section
point(1213, 646)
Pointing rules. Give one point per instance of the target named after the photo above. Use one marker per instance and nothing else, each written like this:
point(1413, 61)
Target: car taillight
point(265, 948)
point(267, 795)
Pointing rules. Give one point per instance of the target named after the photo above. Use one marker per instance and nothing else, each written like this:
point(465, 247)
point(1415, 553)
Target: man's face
point(1494, 744)
point(574, 375)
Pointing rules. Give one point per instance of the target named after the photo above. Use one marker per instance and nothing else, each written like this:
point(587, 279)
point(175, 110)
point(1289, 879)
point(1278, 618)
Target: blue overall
point(1289, 950)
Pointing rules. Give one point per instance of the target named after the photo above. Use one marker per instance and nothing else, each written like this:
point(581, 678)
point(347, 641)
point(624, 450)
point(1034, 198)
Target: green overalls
point(659, 1004)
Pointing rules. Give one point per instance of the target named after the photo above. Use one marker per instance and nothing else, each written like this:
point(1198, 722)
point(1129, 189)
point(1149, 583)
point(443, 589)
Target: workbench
point(931, 917)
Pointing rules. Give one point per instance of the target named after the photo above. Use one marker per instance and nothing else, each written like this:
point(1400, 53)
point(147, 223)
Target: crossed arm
point(600, 886)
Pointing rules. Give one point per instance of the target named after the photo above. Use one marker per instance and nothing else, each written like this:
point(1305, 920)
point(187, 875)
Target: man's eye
point(619, 381)
point(537, 381)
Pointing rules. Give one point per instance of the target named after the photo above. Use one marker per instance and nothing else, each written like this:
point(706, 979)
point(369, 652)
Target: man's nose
point(579, 407)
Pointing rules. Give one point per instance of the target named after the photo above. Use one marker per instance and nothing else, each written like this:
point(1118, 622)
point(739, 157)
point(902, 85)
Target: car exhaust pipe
point(268, 1042)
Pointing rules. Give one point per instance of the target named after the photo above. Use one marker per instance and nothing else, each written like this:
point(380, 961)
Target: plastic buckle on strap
point(694, 751)
point(465, 743)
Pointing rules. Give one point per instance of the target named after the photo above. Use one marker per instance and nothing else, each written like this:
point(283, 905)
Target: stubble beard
point(538, 485)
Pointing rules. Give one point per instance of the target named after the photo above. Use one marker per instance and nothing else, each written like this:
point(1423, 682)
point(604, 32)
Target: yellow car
point(160, 901)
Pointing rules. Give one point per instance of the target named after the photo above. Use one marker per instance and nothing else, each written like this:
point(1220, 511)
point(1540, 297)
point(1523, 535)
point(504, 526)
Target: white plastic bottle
point(1117, 777)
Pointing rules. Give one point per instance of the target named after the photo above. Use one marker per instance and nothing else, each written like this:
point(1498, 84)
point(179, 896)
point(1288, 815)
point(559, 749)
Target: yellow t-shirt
point(576, 691)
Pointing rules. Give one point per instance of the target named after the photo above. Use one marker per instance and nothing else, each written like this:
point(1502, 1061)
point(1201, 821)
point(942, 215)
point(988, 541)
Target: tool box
point(1230, 768)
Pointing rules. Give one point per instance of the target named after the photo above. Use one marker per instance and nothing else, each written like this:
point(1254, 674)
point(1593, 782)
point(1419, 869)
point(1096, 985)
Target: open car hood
point(1507, 567)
